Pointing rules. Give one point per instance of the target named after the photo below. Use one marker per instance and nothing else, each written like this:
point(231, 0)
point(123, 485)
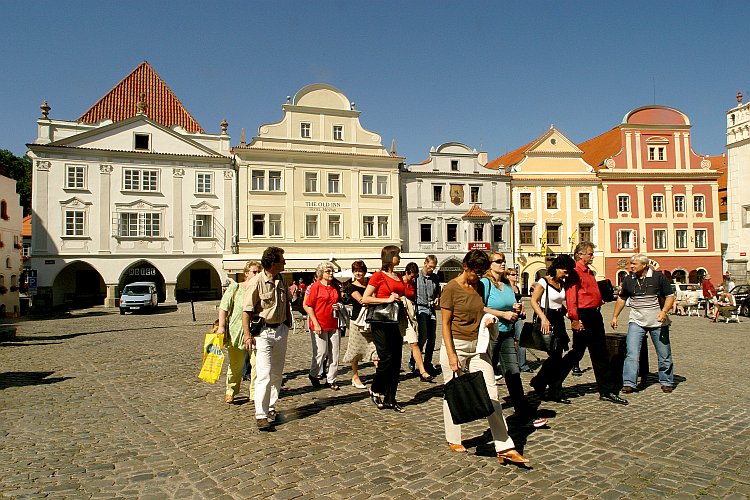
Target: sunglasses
point(512, 274)
point(499, 261)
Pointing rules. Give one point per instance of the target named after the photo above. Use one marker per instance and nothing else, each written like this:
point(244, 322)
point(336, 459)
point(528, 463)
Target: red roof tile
point(26, 228)
point(162, 105)
point(476, 212)
point(511, 158)
point(598, 149)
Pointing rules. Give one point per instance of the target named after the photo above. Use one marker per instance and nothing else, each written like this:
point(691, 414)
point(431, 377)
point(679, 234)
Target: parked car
point(140, 295)
point(741, 294)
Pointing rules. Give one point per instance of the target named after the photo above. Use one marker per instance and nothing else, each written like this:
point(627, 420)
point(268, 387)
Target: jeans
point(427, 326)
point(660, 337)
point(523, 365)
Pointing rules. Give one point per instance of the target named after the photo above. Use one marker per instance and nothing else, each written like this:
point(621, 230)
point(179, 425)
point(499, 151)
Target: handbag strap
point(546, 297)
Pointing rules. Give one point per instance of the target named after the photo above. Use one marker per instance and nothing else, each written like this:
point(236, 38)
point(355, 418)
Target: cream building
point(738, 196)
point(134, 190)
point(11, 245)
point(555, 203)
point(316, 184)
point(451, 203)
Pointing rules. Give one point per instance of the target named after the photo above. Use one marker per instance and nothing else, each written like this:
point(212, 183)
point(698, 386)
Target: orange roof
point(476, 212)
point(162, 105)
point(26, 228)
point(511, 158)
point(598, 149)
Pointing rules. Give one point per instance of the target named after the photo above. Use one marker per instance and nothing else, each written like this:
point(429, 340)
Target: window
point(623, 203)
point(497, 233)
point(258, 178)
point(699, 203)
point(626, 239)
point(334, 225)
point(451, 233)
point(203, 226)
point(584, 232)
point(526, 233)
point(382, 184)
point(311, 182)
point(437, 193)
point(584, 201)
point(140, 180)
point(139, 224)
point(701, 238)
point(258, 225)
point(660, 239)
point(274, 224)
point(680, 238)
point(311, 226)
point(454, 165)
point(474, 194)
point(74, 223)
point(334, 183)
point(368, 226)
point(478, 232)
point(26, 252)
point(142, 141)
point(305, 130)
point(274, 180)
point(551, 201)
point(553, 234)
point(425, 233)
point(76, 177)
point(525, 201)
point(204, 183)
point(657, 153)
point(679, 203)
point(658, 203)
point(4, 210)
point(338, 133)
point(382, 225)
point(367, 181)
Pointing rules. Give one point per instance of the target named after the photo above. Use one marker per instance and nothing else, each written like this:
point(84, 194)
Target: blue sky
point(493, 75)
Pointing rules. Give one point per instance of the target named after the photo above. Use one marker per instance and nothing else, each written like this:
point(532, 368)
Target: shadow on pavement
point(21, 379)
point(23, 338)
point(321, 404)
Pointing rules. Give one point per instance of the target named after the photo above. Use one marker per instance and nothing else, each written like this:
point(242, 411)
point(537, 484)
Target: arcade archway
point(78, 285)
point(143, 271)
point(198, 281)
point(450, 269)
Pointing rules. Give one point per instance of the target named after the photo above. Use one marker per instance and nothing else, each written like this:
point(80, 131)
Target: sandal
point(229, 399)
point(511, 456)
point(426, 377)
point(397, 407)
point(376, 400)
point(458, 448)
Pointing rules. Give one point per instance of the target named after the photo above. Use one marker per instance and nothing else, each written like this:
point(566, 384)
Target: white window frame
point(257, 182)
point(138, 181)
point(305, 130)
point(368, 184)
point(531, 202)
point(588, 200)
point(701, 241)
point(657, 203)
point(338, 132)
point(455, 166)
point(368, 221)
point(139, 224)
point(275, 225)
point(623, 199)
point(442, 193)
point(308, 219)
point(334, 226)
point(557, 200)
point(447, 240)
point(478, 191)
point(142, 134)
point(78, 228)
point(590, 228)
point(204, 183)
point(204, 221)
point(520, 233)
point(381, 182)
point(334, 177)
point(699, 200)
point(384, 226)
point(308, 176)
point(275, 183)
point(679, 203)
point(79, 174)
point(261, 217)
point(629, 243)
point(681, 239)
point(660, 239)
point(657, 153)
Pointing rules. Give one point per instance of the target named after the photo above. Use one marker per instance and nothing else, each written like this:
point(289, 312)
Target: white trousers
point(325, 346)
point(468, 362)
point(270, 355)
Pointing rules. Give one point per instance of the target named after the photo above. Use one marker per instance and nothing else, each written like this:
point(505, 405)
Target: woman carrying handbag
point(462, 310)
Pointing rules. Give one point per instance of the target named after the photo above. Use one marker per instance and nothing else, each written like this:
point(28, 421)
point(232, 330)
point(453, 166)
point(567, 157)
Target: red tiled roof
point(162, 106)
point(26, 228)
point(475, 211)
point(511, 158)
point(598, 149)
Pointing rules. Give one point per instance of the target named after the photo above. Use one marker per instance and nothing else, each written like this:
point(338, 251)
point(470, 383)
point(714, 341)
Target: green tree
point(19, 169)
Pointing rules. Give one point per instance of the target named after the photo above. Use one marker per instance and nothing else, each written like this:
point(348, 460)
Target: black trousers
point(388, 341)
point(593, 338)
point(551, 372)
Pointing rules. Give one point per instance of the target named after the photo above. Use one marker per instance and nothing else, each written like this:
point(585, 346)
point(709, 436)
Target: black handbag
point(606, 290)
point(256, 325)
point(467, 398)
point(384, 313)
point(531, 333)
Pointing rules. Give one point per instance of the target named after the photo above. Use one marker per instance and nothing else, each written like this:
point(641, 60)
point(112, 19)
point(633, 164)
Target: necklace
point(640, 282)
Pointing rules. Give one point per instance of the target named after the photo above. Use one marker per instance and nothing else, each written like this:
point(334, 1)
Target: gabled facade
point(658, 196)
point(555, 203)
point(451, 203)
point(318, 185)
point(143, 194)
point(738, 196)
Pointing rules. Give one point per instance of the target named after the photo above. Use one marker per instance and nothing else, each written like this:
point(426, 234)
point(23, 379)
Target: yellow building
point(318, 185)
point(555, 203)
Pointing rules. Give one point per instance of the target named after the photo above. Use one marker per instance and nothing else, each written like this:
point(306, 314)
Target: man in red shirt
point(709, 292)
point(583, 299)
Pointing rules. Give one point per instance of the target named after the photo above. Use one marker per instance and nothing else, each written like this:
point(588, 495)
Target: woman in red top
point(385, 287)
point(321, 303)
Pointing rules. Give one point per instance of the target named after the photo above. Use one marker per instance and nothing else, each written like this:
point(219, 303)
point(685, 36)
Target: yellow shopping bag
point(213, 357)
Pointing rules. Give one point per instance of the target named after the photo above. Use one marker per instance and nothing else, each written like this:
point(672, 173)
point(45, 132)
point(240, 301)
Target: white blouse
point(556, 298)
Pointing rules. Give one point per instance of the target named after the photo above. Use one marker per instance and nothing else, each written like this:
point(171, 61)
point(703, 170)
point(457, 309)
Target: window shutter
point(635, 239)
point(619, 240)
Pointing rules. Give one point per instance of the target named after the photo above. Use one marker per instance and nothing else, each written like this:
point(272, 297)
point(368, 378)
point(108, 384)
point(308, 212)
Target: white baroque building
point(738, 196)
point(451, 203)
point(11, 244)
point(134, 190)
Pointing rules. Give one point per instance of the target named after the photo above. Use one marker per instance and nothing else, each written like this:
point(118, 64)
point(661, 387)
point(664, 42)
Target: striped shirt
point(645, 294)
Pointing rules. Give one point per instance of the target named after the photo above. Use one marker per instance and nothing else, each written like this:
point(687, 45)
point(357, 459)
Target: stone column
point(177, 216)
point(228, 209)
point(109, 300)
point(40, 237)
point(105, 185)
point(169, 298)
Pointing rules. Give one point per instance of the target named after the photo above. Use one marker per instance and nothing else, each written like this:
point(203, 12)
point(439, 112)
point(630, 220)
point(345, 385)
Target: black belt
point(273, 325)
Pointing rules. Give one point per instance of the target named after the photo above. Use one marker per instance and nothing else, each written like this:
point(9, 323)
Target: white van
point(140, 295)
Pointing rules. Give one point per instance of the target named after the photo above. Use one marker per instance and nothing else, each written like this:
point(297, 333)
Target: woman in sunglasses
point(321, 303)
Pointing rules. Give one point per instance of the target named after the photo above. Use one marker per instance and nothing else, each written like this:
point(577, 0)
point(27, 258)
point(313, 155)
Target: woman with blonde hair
point(321, 303)
point(230, 321)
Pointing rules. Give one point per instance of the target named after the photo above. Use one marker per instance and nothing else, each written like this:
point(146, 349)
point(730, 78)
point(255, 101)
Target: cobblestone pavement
point(101, 405)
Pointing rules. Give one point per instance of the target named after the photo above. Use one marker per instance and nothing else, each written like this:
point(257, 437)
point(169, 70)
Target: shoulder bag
point(467, 398)
point(384, 313)
point(531, 334)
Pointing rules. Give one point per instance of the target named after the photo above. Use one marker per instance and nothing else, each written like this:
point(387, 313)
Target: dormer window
point(338, 133)
point(143, 142)
point(657, 153)
point(305, 130)
point(454, 165)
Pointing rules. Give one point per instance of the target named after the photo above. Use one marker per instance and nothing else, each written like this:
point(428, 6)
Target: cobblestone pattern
point(99, 405)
